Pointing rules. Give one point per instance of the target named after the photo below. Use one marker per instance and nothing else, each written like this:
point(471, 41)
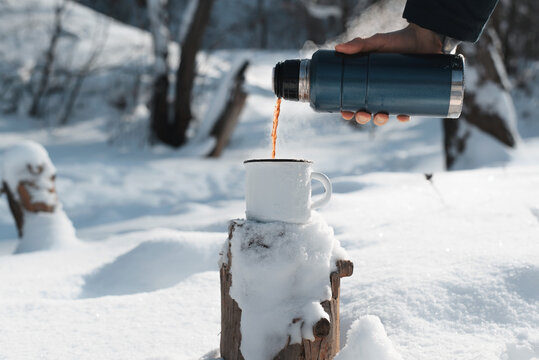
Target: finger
point(381, 119)
point(403, 118)
point(363, 117)
point(347, 115)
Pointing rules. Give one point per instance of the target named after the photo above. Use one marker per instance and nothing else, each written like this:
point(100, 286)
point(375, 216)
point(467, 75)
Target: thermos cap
point(291, 80)
point(286, 79)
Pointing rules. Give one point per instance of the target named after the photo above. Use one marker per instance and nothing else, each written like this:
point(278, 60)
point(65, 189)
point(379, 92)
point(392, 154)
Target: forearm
point(460, 19)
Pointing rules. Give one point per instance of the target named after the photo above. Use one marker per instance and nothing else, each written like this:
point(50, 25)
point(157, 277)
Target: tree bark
point(186, 72)
point(160, 121)
point(327, 333)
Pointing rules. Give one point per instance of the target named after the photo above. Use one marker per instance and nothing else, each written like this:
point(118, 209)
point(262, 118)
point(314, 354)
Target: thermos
point(410, 84)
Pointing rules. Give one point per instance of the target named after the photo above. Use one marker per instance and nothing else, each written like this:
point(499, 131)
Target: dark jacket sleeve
point(460, 19)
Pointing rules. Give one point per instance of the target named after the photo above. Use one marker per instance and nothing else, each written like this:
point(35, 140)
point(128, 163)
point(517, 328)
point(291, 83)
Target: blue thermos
point(412, 84)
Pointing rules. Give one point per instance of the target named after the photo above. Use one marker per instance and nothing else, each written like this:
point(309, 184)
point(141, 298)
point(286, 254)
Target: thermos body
point(412, 84)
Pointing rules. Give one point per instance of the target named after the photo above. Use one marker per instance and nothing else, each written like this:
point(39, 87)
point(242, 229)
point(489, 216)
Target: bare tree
point(185, 75)
point(160, 122)
point(49, 59)
point(172, 130)
point(262, 18)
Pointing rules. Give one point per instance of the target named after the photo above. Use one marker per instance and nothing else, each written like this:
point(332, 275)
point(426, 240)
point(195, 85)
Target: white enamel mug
point(280, 190)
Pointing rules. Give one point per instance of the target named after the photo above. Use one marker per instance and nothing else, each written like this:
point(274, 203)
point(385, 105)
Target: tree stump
point(327, 333)
point(32, 188)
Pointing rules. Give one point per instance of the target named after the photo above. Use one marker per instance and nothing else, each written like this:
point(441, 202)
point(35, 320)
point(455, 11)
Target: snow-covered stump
point(28, 180)
point(311, 332)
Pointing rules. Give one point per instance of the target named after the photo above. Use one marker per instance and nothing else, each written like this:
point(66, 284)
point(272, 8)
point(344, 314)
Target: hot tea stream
point(276, 113)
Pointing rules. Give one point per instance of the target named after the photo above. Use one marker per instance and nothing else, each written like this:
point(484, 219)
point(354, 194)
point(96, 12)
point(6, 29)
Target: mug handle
point(327, 186)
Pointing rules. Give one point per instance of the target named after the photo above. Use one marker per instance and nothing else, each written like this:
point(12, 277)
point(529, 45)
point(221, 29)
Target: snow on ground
point(368, 340)
point(449, 266)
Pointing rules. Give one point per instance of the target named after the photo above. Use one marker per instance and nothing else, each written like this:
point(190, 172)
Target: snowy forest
point(142, 217)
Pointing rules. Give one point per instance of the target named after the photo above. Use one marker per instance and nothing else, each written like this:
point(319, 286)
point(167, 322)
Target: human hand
point(413, 39)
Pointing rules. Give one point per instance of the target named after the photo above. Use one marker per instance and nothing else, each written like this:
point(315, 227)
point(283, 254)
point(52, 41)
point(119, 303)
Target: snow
point(280, 272)
point(482, 150)
point(15, 162)
point(367, 340)
point(46, 231)
point(523, 348)
point(449, 266)
point(154, 264)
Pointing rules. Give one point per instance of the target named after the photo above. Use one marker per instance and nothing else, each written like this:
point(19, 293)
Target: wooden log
point(230, 313)
point(26, 199)
point(326, 332)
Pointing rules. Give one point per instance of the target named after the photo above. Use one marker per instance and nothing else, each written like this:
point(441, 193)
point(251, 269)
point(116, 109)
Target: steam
point(382, 16)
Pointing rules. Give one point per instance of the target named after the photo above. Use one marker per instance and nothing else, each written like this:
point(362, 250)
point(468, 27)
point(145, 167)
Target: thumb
point(375, 43)
point(351, 47)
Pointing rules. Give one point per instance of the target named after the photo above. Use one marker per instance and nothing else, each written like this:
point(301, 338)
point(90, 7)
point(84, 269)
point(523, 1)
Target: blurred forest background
point(56, 65)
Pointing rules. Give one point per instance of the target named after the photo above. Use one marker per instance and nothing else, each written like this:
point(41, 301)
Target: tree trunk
point(186, 72)
point(160, 121)
point(327, 333)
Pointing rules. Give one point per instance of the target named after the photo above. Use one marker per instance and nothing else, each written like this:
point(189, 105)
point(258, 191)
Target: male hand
point(413, 39)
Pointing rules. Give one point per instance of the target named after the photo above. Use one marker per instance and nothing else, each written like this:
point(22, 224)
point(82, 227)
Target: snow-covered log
point(28, 179)
point(229, 103)
point(280, 289)
point(488, 108)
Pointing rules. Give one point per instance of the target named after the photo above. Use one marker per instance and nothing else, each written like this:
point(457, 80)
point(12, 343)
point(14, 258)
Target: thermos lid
point(286, 79)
